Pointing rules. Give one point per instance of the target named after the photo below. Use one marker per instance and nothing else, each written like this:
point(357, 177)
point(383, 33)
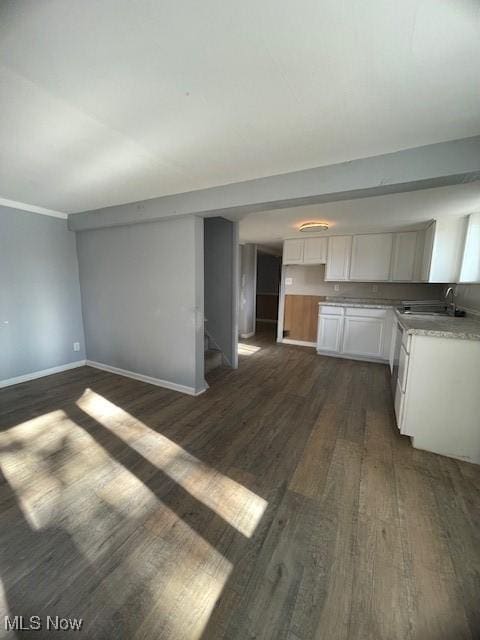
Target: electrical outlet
point(375, 288)
point(76, 346)
point(288, 281)
point(336, 287)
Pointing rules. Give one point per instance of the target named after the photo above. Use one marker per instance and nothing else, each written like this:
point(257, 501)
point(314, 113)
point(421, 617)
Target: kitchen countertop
point(467, 328)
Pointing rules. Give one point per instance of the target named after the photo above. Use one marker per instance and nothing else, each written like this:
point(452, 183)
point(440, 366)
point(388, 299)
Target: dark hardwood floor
point(281, 504)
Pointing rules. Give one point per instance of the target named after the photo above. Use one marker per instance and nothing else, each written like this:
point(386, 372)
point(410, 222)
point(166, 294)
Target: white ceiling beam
point(446, 163)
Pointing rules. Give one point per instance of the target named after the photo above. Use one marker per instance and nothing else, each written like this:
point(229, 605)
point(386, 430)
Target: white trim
point(245, 336)
point(350, 356)
point(13, 204)
point(281, 305)
point(191, 391)
point(40, 374)
point(300, 343)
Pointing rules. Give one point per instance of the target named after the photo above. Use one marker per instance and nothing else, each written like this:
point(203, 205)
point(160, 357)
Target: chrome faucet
point(451, 292)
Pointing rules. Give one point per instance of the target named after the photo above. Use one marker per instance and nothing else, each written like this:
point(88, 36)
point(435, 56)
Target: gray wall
point(142, 298)
point(468, 296)
point(221, 284)
point(40, 312)
point(248, 280)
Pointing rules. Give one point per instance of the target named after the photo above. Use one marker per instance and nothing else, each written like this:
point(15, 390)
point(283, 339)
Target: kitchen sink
point(426, 313)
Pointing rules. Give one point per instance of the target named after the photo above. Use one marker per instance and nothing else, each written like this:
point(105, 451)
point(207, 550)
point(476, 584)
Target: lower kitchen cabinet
point(436, 396)
point(363, 336)
point(329, 333)
point(355, 332)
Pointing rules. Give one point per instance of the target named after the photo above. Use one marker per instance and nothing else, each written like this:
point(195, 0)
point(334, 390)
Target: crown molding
point(13, 204)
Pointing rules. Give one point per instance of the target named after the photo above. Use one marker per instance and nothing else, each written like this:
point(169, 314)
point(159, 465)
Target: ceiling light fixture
point(314, 226)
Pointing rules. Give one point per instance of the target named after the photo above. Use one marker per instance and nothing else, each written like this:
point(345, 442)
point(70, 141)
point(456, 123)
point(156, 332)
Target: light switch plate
point(76, 346)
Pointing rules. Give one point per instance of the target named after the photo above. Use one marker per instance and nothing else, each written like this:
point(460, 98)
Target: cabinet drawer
point(361, 312)
point(402, 368)
point(326, 310)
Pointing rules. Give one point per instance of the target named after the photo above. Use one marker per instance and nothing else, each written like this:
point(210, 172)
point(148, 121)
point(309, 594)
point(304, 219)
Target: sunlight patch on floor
point(61, 478)
point(247, 349)
point(190, 586)
point(47, 458)
point(233, 502)
point(22, 452)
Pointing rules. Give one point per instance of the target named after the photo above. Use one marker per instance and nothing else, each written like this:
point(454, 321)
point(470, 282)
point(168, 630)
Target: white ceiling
point(111, 101)
point(381, 213)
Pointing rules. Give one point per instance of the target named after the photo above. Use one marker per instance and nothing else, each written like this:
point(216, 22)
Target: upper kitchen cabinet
point(470, 271)
point(308, 251)
point(315, 250)
point(371, 257)
point(293, 251)
point(404, 258)
point(338, 258)
point(442, 250)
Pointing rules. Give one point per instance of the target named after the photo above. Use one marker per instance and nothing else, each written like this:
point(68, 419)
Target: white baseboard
point(166, 384)
point(348, 356)
point(299, 343)
point(41, 374)
point(245, 336)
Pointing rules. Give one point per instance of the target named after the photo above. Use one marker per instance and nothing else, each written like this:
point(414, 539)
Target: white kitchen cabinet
point(293, 251)
point(443, 249)
point(399, 404)
point(355, 332)
point(329, 336)
point(315, 250)
point(363, 337)
point(428, 238)
point(404, 256)
point(371, 257)
point(308, 251)
point(470, 271)
point(403, 368)
point(437, 402)
point(338, 258)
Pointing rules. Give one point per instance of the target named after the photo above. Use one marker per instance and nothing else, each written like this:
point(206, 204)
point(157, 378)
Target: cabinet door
point(329, 333)
point(363, 337)
point(470, 270)
point(293, 251)
point(404, 254)
point(315, 250)
point(371, 257)
point(427, 252)
point(338, 258)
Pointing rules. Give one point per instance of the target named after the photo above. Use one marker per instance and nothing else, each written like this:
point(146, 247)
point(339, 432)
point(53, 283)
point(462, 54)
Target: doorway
point(267, 290)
